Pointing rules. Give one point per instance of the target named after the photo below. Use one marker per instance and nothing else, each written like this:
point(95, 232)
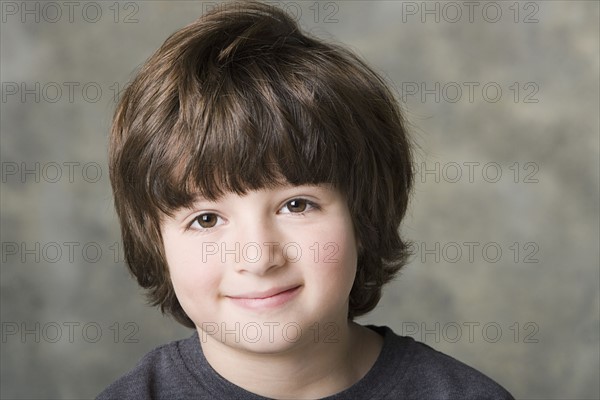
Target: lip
point(271, 298)
point(264, 294)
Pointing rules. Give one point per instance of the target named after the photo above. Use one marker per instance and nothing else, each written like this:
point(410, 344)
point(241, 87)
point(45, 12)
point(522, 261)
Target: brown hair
point(235, 101)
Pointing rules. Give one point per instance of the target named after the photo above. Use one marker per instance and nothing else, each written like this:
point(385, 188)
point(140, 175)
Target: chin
point(261, 335)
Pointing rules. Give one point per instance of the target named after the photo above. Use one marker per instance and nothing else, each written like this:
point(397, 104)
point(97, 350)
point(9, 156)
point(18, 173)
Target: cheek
point(194, 281)
point(335, 267)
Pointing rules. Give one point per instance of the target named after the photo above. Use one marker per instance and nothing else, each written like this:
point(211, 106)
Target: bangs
point(253, 132)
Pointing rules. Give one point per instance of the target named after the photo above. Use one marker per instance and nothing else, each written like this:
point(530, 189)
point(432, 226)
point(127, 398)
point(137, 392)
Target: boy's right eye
point(205, 221)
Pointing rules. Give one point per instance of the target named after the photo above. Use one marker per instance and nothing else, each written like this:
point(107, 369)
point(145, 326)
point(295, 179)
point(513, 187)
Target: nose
point(260, 244)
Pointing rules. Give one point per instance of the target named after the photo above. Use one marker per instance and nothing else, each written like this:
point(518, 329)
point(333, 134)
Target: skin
point(226, 256)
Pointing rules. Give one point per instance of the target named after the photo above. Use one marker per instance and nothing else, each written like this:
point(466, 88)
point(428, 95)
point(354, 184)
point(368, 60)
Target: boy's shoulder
point(177, 370)
point(410, 369)
point(161, 373)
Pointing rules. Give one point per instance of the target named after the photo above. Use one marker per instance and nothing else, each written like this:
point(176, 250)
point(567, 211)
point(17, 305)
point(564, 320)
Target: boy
point(260, 177)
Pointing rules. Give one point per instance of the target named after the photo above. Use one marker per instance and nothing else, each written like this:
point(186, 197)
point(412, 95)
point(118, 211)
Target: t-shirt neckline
point(373, 382)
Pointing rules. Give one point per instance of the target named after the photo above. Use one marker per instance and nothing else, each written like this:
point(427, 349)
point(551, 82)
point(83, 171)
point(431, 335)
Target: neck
point(309, 369)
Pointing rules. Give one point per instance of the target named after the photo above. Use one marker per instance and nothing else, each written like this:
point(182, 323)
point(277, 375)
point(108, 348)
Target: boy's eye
point(298, 206)
point(205, 221)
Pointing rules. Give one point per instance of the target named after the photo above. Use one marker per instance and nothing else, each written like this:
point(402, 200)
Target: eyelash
point(310, 205)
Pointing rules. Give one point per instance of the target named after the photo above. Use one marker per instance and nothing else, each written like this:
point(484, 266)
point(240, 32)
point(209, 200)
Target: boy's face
point(266, 271)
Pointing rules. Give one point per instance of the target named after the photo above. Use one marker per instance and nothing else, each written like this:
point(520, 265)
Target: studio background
point(502, 99)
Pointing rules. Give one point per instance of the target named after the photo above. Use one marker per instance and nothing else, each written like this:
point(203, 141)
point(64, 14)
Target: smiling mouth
point(264, 294)
point(272, 298)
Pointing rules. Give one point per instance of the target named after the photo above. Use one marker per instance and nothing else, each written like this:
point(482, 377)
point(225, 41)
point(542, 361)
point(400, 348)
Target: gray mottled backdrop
point(502, 98)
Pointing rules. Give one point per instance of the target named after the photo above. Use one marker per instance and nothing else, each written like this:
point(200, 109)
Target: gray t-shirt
point(405, 369)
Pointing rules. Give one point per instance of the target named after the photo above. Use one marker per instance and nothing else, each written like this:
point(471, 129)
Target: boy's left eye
point(298, 206)
point(206, 221)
